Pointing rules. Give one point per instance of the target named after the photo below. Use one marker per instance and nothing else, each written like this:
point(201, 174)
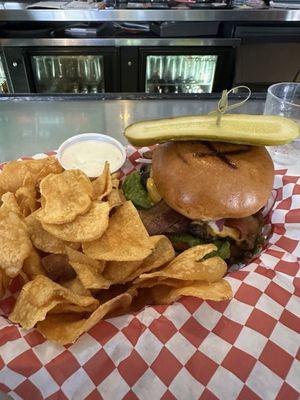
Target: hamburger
point(206, 192)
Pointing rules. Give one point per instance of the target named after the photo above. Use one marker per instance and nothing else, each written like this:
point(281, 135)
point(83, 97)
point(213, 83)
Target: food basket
point(245, 348)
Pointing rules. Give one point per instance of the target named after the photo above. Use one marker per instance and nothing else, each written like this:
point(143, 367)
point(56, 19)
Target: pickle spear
point(256, 130)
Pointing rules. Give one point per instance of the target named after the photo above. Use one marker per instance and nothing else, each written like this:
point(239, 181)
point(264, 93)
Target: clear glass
point(284, 99)
point(3, 79)
point(180, 73)
point(68, 74)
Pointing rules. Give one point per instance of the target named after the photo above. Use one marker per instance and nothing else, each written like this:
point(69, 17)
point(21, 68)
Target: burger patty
point(161, 219)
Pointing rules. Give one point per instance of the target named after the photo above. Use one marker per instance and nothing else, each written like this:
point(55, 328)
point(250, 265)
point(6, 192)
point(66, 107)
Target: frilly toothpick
point(223, 106)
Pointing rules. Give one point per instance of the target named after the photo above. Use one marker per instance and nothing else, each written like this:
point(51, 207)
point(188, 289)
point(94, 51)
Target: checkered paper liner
point(246, 348)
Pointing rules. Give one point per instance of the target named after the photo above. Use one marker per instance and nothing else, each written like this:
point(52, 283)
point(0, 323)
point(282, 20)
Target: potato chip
point(115, 181)
point(65, 196)
point(50, 165)
point(15, 243)
point(62, 328)
point(126, 238)
point(88, 270)
point(190, 265)
point(43, 240)
point(41, 295)
point(125, 271)
point(149, 283)
point(117, 312)
point(87, 227)
point(119, 271)
point(102, 186)
point(26, 198)
point(32, 265)
point(64, 308)
point(142, 292)
point(162, 253)
point(89, 277)
point(78, 257)
point(66, 328)
point(76, 287)
point(115, 198)
point(216, 291)
point(14, 172)
point(9, 203)
point(115, 175)
point(4, 283)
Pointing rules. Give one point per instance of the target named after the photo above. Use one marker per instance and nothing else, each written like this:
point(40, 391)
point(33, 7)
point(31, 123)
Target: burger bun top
point(213, 180)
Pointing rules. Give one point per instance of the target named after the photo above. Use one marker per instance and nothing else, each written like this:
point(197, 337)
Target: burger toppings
point(182, 241)
point(135, 191)
point(249, 228)
point(223, 250)
point(152, 190)
point(235, 238)
point(218, 228)
point(255, 130)
point(190, 195)
point(140, 188)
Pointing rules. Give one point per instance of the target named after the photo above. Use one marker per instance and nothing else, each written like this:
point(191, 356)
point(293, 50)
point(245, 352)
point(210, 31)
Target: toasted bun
point(213, 180)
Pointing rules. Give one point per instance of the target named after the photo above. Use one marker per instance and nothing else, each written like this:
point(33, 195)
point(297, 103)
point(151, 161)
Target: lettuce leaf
point(223, 250)
point(223, 246)
point(134, 190)
point(185, 238)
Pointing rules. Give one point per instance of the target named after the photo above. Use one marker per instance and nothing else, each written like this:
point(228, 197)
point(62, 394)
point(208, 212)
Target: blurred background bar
point(34, 124)
point(147, 46)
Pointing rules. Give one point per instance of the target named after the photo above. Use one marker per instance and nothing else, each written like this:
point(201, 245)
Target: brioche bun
point(213, 180)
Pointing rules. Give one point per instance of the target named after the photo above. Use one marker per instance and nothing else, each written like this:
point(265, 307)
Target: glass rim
point(279, 98)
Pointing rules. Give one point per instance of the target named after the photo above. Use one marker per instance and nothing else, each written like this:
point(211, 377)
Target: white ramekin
point(83, 137)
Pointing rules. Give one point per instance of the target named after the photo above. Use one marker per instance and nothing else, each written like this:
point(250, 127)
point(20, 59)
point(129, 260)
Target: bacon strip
point(249, 228)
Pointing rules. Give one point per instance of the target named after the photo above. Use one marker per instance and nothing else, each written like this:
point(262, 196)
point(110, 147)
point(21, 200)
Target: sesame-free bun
point(213, 180)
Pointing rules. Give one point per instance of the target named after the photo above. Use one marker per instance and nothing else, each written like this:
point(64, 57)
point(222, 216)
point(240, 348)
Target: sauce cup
point(84, 152)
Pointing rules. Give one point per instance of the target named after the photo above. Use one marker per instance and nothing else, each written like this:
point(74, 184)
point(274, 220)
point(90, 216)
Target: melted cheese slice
point(227, 231)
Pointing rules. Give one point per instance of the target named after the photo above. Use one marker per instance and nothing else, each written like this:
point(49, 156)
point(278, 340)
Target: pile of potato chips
point(84, 253)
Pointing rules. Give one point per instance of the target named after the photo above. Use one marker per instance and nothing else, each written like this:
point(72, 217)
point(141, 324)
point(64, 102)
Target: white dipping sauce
point(89, 156)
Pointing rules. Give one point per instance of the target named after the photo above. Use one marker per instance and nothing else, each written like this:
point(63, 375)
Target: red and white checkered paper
point(246, 348)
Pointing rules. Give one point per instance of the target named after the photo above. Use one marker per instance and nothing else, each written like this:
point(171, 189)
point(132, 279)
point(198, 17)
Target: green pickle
point(256, 130)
